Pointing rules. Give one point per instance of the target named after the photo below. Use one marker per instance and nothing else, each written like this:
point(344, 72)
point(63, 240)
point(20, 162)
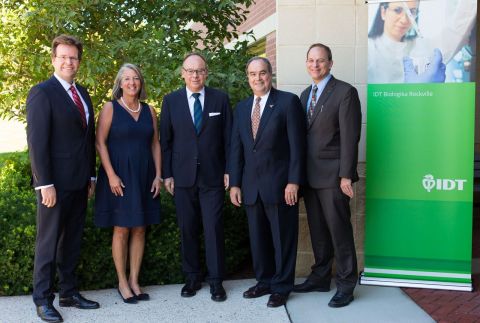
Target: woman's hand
point(156, 186)
point(116, 185)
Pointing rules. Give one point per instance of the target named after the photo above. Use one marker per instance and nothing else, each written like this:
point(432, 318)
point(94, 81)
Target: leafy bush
point(162, 261)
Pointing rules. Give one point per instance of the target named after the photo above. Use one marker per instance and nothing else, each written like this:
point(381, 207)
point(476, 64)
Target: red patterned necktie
point(313, 102)
point(78, 103)
point(256, 117)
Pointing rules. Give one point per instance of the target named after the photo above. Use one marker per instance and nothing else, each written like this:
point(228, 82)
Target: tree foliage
point(154, 34)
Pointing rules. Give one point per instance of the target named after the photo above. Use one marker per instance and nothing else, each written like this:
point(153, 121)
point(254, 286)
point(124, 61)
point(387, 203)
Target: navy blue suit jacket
point(61, 151)
point(184, 153)
point(265, 166)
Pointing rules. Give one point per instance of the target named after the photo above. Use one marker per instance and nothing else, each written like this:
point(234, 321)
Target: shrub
point(161, 264)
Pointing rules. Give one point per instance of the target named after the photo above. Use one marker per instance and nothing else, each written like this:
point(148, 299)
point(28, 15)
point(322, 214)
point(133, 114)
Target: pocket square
point(212, 114)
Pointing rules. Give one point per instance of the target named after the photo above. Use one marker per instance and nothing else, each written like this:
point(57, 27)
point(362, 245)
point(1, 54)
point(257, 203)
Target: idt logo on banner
point(430, 183)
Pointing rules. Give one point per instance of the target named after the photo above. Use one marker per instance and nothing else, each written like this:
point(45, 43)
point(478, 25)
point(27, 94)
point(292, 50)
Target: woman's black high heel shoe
point(129, 300)
point(141, 296)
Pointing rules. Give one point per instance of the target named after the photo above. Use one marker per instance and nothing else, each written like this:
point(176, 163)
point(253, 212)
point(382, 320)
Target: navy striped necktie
point(197, 113)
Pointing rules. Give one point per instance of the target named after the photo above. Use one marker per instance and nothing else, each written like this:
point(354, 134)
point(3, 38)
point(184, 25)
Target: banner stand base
point(395, 282)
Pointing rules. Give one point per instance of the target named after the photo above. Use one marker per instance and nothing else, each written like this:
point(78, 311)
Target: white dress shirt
point(263, 102)
point(191, 100)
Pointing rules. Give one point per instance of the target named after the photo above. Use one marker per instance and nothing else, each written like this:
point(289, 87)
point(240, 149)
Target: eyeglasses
point(66, 58)
point(191, 72)
point(400, 11)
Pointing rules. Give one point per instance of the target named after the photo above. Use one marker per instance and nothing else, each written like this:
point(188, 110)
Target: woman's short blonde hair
point(117, 91)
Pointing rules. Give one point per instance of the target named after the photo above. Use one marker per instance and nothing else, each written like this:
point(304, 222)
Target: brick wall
point(271, 50)
point(258, 11)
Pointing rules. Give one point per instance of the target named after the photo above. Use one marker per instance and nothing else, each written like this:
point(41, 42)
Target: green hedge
point(161, 264)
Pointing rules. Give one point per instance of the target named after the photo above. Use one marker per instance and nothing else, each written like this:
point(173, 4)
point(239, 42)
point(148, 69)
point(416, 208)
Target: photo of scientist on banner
point(422, 41)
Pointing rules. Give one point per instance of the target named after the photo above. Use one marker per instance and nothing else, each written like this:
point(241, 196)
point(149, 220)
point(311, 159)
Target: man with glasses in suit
point(60, 135)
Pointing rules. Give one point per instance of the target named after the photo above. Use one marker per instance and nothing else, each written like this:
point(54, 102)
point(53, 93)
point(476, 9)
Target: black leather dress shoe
point(48, 313)
point(218, 292)
point(340, 299)
point(277, 299)
point(256, 291)
point(190, 288)
point(78, 301)
point(308, 286)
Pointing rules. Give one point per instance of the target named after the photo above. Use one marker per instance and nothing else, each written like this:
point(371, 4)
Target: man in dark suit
point(60, 135)
point(267, 163)
point(195, 129)
point(333, 119)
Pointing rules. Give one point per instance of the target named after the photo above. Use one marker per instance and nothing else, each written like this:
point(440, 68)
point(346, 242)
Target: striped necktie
point(78, 103)
point(256, 117)
point(197, 113)
point(313, 103)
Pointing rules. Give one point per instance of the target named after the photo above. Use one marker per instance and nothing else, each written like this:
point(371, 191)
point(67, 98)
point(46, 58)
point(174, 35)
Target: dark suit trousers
point(273, 240)
point(328, 213)
point(197, 206)
point(58, 241)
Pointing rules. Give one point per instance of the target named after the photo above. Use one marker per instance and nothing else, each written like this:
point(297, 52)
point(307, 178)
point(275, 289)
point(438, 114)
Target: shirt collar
point(189, 93)
point(264, 97)
point(64, 83)
point(321, 85)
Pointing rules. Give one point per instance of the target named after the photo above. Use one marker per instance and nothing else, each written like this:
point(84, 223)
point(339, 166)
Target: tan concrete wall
point(342, 25)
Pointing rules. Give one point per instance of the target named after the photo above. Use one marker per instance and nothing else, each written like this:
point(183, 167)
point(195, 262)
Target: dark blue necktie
point(197, 113)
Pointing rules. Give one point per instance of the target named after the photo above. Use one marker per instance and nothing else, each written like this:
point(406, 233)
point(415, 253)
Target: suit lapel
point(206, 108)
point(86, 98)
point(72, 108)
point(267, 112)
point(327, 91)
point(304, 98)
point(184, 110)
point(248, 117)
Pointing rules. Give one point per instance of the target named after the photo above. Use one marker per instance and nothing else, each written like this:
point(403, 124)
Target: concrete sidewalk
point(372, 304)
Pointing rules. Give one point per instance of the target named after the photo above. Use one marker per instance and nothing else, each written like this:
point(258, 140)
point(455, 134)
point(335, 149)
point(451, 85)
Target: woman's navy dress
point(129, 146)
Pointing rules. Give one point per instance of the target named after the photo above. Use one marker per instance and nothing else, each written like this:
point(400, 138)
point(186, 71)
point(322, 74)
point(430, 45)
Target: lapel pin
point(271, 105)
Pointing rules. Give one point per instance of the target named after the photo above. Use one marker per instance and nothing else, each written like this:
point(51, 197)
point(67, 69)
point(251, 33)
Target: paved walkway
point(372, 304)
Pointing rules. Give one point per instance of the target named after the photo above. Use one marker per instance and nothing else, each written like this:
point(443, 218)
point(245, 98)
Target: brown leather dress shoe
point(277, 299)
point(48, 313)
point(78, 301)
point(256, 291)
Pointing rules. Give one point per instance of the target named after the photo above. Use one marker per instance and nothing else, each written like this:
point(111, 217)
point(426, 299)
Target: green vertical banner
point(420, 147)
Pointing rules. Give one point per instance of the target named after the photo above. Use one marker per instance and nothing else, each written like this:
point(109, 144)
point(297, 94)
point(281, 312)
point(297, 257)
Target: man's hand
point(434, 71)
point(116, 185)
point(346, 186)
point(156, 186)
point(169, 185)
point(236, 196)
point(226, 181)
point(291, 194)
point(49, 196)
point(91, 188)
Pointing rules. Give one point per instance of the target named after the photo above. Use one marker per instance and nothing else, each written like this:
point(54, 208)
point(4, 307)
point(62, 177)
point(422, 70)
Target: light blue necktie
point(197, 113)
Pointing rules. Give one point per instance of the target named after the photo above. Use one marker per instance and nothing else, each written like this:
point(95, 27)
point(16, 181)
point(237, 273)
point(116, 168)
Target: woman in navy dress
point(129, 179)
